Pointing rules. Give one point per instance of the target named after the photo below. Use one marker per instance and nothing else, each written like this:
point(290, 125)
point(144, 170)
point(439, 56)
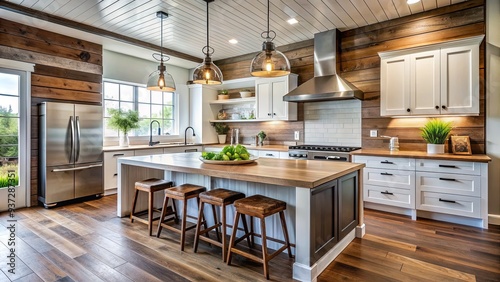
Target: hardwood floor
point(87, 242)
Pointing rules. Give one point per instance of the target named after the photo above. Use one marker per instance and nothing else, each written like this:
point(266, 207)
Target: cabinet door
point(348, 203)
point(425, 82)
point(145, 152)
point(279, 107)
point(263, 96)
point(460, 80)
point(395, 86)
point(110, 167)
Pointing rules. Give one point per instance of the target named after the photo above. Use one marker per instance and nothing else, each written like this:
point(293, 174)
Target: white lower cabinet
point(111, 170)
point(454, 191)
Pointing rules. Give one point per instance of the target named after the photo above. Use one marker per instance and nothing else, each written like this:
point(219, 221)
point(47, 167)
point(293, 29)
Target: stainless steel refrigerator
point(70, 152)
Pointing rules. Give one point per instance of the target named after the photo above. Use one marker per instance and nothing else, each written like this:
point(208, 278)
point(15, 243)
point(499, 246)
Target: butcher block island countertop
point(324, 199)
point(285, 172)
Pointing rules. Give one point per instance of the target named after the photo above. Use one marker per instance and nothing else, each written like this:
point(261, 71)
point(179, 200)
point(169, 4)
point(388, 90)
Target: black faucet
point(185, 134)
point(151, 143)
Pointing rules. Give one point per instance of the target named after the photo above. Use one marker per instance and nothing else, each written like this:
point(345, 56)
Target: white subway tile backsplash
point(333, 123)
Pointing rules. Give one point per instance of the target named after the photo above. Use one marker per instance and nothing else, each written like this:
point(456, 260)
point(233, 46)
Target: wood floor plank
point(424, 269)
point(100, 269)
point(86, 241)
point(29, 278)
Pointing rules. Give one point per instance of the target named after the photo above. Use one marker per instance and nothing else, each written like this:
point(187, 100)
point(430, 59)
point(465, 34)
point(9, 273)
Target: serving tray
point(251, 160)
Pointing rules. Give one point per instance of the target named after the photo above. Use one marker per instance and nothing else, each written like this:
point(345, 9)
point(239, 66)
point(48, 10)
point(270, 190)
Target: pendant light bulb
point(269, 62)
point(207, 72)
point(161, 80)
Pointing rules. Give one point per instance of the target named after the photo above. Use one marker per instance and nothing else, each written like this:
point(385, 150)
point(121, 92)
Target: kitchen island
point(324, 203)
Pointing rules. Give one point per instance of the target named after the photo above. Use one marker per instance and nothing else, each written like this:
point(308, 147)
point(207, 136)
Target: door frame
point(23, 191)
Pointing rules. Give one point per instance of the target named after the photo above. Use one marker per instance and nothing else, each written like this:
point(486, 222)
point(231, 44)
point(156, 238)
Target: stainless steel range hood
point(326, 84)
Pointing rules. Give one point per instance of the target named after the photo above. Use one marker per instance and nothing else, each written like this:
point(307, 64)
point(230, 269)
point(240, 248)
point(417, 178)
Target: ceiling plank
point(58, 20)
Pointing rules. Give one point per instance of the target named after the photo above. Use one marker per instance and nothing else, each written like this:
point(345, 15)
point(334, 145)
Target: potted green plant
point(261, 135)
point(222, 130)
point(124, 121)
point(223, 95)
point(435, 132)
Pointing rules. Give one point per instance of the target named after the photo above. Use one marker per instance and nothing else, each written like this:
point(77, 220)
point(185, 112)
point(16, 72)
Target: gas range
point(321, 152)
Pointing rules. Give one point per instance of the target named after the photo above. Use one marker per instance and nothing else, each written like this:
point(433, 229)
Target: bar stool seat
point(149, 186)
point(182, 193)
point(222, 198)
point(261, 207)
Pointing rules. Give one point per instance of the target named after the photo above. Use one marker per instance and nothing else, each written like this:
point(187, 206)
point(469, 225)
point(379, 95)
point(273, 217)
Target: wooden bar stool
point(221, 198)
point(182, 193)
point(150, 186)
point(261, 207)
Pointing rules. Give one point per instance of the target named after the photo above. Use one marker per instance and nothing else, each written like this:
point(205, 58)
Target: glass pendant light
point(207, 72)
point(161, 80)
point(269, 62)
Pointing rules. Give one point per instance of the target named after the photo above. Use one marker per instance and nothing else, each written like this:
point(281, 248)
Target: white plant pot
point(123, 141)
point(435, 148)
point(222, 139)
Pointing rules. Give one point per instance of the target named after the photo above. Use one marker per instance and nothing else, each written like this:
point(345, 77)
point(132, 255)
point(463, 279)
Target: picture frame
point(460, 145)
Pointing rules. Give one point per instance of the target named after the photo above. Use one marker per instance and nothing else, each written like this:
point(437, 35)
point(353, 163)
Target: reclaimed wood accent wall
point(360, 64)
point(67, 69)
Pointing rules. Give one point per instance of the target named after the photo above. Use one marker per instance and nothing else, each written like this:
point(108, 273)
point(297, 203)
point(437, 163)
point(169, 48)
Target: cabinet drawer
point(269, 154)
point(448, 166)
point(402, 179)
point(460, 184)
point(110, 167)
point(450, 204)
point(387, 163)
point(389, 196)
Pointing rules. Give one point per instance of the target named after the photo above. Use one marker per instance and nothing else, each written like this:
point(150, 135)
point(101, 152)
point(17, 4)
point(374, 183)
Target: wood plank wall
point(360, 65)
point(67, 69)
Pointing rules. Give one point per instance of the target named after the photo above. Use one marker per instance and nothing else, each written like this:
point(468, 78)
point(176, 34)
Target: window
point(150, 105)
point(9, 128)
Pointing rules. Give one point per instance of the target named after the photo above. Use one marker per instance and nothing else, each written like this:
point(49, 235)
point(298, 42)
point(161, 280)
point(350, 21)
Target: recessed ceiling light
point(292, 21)
point(233, 41)
point(412, 1)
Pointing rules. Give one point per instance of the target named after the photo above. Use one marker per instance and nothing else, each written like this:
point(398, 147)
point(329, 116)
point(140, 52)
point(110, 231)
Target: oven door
point(297, 154)
point(328, 156)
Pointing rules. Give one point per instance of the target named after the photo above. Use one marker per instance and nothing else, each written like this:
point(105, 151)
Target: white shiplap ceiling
point(244, 20)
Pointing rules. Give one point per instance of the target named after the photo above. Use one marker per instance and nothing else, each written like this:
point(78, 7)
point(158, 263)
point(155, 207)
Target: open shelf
point(234, 101)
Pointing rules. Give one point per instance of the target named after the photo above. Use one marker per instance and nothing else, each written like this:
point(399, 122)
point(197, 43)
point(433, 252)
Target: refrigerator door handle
point(77, 150)
point(71, 154)
point(75, 168)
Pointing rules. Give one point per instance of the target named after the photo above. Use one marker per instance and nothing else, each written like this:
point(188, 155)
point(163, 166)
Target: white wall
point(493, 107)
point(333, 123)
point(127, 68)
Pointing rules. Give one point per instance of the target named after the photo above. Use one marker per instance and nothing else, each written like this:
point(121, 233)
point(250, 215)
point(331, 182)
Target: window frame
point(135, 102)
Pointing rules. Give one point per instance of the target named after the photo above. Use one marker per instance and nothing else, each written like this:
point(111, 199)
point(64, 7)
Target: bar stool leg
point(216, 222)
point(224, 229)
point(203, 217)
point(285, 233)
point(150, 212)
point(245, 227)
point(183, 223)
point(252, 239)
point(162, 216)
point(198, 225)
point(233, 236)
point(133, 206)
point(264, 247)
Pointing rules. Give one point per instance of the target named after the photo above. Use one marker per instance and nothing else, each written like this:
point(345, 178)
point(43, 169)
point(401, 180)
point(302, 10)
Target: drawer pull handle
point(117, 155)
point(447, 201)
point(387, 193)
point(447, 179)
point(269, 155)
point(385, 173)
point(448, 166)
point(116, 174)
point(386, 162)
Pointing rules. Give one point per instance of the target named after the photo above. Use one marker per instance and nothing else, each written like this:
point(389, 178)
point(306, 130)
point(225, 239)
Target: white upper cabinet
point(440, 79)
point(269, 93)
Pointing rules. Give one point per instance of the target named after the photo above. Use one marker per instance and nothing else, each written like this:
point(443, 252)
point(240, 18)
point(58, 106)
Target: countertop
point(281, 148)
point(283, 172)
point(422, 155)
point(142, 147)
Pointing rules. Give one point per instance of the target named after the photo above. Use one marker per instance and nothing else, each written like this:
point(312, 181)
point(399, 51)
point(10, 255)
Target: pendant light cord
point(161, 37)
point(268, 17)
point(208, 28)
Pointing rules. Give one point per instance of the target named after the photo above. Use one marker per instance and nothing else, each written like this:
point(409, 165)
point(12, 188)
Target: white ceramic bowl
point(246, 94)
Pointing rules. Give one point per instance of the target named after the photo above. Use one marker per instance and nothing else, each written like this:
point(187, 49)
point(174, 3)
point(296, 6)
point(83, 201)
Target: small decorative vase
point(222, 97)
point(435, 148)
point(123, 141)
point(261, 141)
point(222, 139)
